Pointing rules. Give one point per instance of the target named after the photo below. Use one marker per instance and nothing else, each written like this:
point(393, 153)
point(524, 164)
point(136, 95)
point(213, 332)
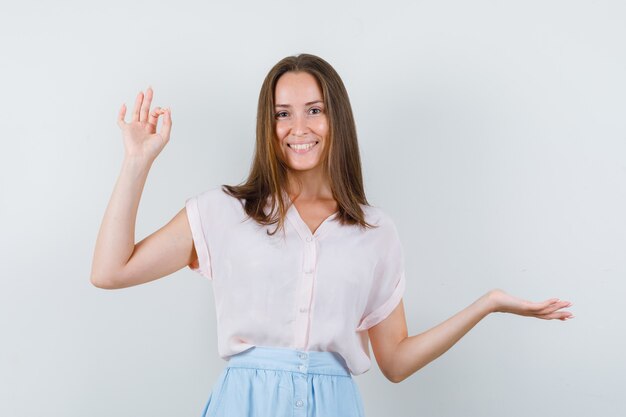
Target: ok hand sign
point(141, 139)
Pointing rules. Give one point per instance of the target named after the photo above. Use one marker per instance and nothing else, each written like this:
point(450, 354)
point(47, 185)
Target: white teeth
point(303, 146)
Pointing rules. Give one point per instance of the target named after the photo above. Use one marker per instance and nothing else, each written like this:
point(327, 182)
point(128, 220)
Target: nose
point(300, 126)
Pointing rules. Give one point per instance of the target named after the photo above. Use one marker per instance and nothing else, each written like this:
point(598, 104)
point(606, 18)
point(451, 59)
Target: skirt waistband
point(293, 360)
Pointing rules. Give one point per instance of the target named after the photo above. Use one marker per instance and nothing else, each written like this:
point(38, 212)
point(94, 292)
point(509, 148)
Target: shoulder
point(216, 193)
point(379, 217)
point(216, 200)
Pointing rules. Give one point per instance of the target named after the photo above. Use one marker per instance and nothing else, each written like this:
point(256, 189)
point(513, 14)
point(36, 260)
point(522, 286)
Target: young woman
point(305, 272)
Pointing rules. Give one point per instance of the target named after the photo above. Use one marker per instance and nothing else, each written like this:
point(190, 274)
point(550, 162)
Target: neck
point(309, 185)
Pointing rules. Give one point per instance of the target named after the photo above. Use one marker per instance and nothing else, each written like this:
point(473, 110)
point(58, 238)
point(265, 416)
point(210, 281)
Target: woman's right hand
point(141, 139)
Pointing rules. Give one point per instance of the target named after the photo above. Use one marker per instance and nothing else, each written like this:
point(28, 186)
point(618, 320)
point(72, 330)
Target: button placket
point(301, 385)
point(305, 294)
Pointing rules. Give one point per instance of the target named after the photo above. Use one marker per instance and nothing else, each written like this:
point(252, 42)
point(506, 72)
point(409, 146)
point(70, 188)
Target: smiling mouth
point(302, 147)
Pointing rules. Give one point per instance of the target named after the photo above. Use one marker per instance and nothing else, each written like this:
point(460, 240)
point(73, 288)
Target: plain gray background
point(492, 132)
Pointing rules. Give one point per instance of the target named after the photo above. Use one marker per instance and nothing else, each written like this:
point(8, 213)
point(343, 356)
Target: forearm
point(415, 352)
point(116, 239)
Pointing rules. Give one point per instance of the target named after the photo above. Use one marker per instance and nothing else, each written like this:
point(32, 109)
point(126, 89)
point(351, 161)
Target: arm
point(117, 261)
point(399, 355)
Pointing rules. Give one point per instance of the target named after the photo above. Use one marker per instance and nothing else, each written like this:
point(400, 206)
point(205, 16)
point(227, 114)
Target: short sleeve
point(389, 279)
point(195, 218)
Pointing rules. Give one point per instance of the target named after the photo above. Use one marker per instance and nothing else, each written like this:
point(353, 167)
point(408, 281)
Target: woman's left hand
point(501, 302)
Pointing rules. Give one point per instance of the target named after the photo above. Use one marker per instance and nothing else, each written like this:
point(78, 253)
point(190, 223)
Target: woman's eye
point(316, 110)
point(281, 114)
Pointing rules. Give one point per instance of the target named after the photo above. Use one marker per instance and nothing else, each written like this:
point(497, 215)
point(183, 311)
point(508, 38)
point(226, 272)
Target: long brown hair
point(341, 160)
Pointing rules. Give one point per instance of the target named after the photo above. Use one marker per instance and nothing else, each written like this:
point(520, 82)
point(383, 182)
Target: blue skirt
point(280, 382)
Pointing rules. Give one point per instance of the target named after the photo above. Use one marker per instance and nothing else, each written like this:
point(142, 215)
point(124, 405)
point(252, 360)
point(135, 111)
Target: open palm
point(547, 310)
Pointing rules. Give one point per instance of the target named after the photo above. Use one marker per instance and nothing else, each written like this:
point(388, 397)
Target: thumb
point(166, 127)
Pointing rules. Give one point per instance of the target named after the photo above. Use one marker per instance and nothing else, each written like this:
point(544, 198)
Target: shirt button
point(308, 271)
point(299, 403)
point(302, 355)
point(302, 368)
point(303, 310)
point(309, 238)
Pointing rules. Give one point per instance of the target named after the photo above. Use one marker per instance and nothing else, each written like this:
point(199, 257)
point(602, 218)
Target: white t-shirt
point(310, 291)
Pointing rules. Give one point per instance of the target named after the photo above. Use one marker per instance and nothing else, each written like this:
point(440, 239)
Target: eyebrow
point(306, 104)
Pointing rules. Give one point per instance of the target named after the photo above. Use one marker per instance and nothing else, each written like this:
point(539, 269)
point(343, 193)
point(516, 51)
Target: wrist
point(489, 303)
point(136, 162)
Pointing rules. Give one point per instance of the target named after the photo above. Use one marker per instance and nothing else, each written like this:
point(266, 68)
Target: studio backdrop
point(492, 133)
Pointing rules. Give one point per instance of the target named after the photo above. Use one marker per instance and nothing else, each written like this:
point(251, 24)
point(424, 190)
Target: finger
point(154, 116)
point(537, 307)
point(554, 307)
point(145, 105)
point(166, 127)
point(559, 315)
point(121, 115)
point(138, 102)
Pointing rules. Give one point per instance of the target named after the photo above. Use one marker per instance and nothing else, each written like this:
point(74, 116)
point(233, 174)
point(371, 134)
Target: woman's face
point(301, 122)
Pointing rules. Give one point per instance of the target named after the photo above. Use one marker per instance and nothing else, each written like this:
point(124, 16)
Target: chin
point(300, 164)
point(302, 168)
